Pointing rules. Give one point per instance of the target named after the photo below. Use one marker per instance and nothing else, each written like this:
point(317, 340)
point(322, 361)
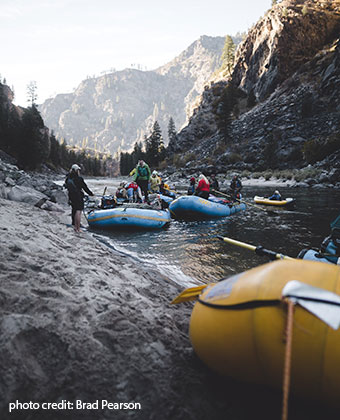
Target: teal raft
point(192, 207)
point(128, 218)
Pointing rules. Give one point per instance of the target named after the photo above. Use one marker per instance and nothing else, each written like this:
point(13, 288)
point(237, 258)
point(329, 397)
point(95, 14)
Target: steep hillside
point(113, 111)
point(285, 88)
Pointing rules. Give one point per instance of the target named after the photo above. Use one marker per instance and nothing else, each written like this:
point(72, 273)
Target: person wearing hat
point(276, 196)
point(155, 182)
point(75, 185)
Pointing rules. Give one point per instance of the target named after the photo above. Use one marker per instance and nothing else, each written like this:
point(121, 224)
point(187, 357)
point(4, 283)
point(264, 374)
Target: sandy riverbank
point(80, 321)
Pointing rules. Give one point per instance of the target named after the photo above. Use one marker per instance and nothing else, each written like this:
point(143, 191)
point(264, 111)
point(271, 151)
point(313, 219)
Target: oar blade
point(189, 294)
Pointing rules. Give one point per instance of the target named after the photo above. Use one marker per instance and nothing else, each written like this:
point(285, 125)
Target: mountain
point(281, 106)
point(112, 112)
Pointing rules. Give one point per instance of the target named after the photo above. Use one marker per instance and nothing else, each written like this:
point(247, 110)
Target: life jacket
point(131, 185)
point(74, 192)
point(142, 172)
point(331, 244)
point(203, 186)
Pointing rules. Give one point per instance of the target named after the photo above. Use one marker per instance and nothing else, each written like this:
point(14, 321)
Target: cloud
point(9, 11)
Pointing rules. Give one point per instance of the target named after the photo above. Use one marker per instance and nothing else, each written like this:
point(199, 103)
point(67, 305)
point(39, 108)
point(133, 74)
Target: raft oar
point(189, 294)
point(259, 250)
point(246, 202)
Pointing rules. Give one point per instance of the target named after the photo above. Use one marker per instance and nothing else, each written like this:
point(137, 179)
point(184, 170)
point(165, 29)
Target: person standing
point(142, 177)
point(155, 182)
point(75, 185)
point(213, 182)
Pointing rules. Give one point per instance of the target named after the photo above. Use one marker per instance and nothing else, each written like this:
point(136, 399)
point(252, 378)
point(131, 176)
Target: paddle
point(259, 250)
point(189, 294)
point(246, 202)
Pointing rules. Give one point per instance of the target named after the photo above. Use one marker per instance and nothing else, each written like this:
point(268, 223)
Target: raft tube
point(313, 255)
point(129, 218)
point(287, 202)
point(192, 207)
point(238, 325)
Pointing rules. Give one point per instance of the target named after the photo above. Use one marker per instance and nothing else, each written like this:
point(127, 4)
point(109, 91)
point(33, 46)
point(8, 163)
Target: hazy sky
point(57, 43)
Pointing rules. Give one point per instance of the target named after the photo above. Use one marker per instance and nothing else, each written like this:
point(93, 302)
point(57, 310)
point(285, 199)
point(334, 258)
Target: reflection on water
point(192, 249)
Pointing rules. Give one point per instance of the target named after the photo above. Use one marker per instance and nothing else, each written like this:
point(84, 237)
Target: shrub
point(315, 150)
point(267, 175)
point(178, 161)
point(234, 157)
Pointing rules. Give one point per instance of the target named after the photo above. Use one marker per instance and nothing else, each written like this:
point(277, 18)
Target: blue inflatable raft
point(128, 218)
point(191, 207)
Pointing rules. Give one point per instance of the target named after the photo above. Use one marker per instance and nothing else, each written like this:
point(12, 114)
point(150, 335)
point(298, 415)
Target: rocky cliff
point(114, 111)
point(286, 96)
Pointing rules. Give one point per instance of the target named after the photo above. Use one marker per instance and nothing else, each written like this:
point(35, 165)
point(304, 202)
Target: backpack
point(72, 189)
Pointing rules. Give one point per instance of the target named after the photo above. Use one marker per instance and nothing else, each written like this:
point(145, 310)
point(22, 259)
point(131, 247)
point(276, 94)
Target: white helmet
point(75, 167)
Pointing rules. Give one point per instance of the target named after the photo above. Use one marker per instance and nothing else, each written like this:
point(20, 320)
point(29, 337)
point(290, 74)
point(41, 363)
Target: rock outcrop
point(36, 189)
point(112, 112)
point(289, 65)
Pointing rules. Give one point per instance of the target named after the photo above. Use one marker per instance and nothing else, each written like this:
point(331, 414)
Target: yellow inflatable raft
point(288, 202)
point(238, 327)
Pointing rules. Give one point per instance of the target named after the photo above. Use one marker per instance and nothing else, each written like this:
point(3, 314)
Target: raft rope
point(288, 358)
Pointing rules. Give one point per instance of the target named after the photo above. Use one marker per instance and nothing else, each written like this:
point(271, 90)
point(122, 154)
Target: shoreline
point(82, 321)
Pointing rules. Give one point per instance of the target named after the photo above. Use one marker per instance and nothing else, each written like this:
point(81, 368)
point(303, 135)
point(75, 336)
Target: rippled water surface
point(190, 250)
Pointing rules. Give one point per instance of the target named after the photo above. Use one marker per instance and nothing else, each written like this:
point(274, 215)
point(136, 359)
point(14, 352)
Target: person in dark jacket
point(191, 189)
point(213, 182)
point(235, 188)
point(75, 185)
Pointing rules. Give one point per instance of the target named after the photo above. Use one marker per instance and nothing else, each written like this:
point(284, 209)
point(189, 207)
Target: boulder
point(25, 194)
point(49, 206)
point(3, 191)
point(9, 181)
point(59, 197)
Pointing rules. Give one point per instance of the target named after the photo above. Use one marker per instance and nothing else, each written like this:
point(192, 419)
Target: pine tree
point(153, 144)
point(228, 55)
point(137, 153)
point(225, 109)
point(172, 134)
point(32, 95)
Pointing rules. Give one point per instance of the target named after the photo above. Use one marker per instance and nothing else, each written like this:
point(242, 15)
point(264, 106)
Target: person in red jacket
point(203, 187)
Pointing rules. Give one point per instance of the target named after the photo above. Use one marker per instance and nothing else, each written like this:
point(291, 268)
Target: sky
point(59, 43)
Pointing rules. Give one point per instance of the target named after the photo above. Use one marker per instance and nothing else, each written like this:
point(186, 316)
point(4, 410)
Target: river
point(190, 253)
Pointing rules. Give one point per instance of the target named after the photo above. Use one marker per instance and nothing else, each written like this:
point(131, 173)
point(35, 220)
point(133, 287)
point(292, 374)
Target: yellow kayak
point(263, 200)
point(238, 327)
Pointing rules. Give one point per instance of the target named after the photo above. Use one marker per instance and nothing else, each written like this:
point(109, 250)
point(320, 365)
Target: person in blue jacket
point(276, 196)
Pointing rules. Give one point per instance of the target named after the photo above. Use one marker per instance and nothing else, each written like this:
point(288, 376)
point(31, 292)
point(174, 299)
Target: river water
point(190, 253)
